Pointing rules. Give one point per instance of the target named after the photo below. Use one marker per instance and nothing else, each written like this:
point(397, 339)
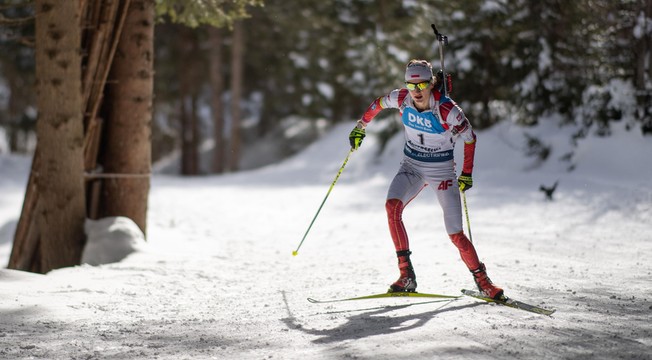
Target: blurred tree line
point(586, 63)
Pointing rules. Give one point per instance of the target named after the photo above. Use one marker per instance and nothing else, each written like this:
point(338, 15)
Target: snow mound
point(111, 240)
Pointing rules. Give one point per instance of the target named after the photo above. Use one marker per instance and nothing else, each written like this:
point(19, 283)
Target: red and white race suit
point(430, 137)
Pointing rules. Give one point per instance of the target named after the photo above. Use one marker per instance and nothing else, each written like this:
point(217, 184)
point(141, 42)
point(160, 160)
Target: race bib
point(425, 122)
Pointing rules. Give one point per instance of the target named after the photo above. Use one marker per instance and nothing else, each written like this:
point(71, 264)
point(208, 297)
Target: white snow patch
point(111, 240)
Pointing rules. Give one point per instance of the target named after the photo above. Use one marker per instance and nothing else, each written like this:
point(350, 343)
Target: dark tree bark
point(189, 74)
point(61, 210)
point(237, 55)
point(217, 87)
point(127, 149)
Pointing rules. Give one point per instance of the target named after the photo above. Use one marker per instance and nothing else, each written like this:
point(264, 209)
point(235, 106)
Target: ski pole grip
point(441, 38)
point(434, 29)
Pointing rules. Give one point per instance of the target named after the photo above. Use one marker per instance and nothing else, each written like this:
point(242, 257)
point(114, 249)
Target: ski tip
point(313, 300)
point(504, 300)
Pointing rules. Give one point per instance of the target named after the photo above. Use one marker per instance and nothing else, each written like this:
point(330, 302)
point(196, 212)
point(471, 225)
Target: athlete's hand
point(465, 181)
point(356, 136)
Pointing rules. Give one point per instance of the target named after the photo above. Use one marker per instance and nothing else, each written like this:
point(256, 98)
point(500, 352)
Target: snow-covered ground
point(217, 278)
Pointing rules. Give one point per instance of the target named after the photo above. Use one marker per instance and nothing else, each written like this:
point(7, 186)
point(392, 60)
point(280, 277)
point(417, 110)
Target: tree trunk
point(217, 85)
point(127, 151)
point(61, 210)
point(237, 52)
point(643, 51)
point(187, 159)
point(188, 94)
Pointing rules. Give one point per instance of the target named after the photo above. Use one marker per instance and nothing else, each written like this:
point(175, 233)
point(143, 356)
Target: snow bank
point(111, 240)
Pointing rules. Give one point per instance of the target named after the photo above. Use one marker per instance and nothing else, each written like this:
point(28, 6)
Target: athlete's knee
point(394, 209)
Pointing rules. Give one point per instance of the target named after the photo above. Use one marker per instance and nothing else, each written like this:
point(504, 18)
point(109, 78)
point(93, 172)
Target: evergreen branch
point(217, 13)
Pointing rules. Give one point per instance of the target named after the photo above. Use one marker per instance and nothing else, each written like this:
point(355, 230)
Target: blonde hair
point(419, 61)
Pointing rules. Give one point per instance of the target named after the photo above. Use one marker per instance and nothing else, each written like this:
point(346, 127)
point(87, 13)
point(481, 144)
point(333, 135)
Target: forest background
point(242, 84)
point(587, 61)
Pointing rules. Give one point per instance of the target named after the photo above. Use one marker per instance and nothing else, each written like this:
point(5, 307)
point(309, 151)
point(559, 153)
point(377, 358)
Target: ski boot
point(407, 282)
point(485, 285)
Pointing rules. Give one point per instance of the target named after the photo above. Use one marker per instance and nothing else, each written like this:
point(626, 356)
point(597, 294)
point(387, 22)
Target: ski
point(509, 302)
point(387, 295)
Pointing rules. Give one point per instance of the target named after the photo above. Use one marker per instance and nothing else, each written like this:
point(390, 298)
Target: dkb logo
point(423, 122)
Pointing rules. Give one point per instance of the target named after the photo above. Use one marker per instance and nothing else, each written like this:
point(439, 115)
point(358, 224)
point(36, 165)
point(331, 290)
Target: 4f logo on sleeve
point(444, 185)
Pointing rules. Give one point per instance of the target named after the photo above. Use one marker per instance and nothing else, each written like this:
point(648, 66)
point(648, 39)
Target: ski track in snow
point(217, 279)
